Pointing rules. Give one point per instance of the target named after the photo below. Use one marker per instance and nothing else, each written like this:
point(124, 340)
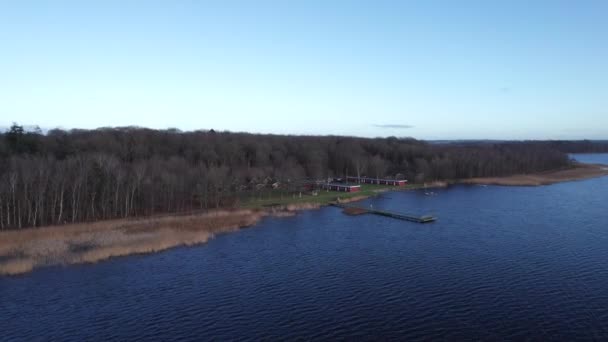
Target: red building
point(341, 187)
point(366, 180)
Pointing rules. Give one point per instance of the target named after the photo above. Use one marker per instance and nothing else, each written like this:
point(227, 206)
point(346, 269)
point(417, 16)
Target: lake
point(500, 263)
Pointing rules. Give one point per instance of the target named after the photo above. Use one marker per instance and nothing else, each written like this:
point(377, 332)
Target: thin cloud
point(394, 126)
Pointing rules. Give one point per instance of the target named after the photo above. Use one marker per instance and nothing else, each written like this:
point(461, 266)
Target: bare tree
point(82, 175)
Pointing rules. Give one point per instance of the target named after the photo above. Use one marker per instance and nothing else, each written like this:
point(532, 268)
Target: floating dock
point(360, 210)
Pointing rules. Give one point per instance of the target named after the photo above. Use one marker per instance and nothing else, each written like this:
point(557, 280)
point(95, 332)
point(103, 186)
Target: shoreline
point(580, 171)
point(24, 250)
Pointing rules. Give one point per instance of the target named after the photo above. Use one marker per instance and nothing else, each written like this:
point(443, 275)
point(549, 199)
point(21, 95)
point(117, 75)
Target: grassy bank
point(326, 197)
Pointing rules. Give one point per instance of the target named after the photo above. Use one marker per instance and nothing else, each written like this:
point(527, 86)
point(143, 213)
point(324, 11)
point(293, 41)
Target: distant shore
point(579, 172)
point(24, 250)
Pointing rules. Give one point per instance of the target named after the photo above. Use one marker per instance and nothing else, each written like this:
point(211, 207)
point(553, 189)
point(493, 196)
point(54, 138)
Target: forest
point(67, 176)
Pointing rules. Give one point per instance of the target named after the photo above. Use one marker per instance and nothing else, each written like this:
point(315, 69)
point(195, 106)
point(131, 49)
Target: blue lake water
point(500, 263)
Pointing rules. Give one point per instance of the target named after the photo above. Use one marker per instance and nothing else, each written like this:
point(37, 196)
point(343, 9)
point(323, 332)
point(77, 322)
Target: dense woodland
point(85, 175)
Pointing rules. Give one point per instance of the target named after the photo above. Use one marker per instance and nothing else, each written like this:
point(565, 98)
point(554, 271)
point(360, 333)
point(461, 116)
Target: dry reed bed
point(581, 171)
point(23, 250)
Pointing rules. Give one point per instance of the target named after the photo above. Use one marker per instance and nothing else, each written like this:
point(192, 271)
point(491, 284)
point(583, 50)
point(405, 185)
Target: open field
point(581, 171)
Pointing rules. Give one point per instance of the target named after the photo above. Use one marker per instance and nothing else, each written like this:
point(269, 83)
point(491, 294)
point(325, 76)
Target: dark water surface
point(501, 263)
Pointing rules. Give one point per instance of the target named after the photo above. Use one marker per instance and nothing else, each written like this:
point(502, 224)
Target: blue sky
point(427, 69)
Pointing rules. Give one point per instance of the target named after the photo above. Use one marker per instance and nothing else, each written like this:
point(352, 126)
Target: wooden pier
point(400, 216)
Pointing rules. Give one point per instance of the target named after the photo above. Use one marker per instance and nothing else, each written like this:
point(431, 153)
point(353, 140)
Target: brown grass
point(24, 250)
point(580, 171)
point(17, 266)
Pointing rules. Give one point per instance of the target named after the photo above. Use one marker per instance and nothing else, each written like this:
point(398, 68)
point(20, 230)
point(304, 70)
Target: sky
point(425, 69)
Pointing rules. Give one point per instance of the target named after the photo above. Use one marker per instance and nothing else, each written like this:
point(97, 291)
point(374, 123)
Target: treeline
point(86, 175)
point(578, 146)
